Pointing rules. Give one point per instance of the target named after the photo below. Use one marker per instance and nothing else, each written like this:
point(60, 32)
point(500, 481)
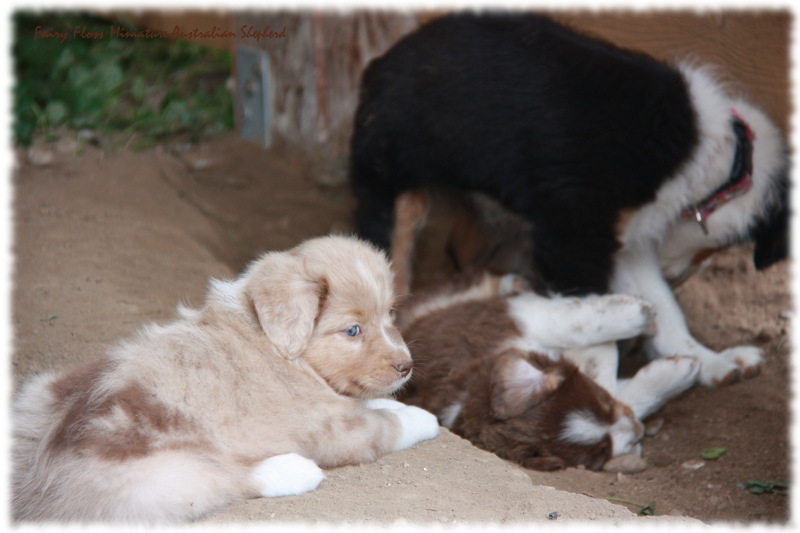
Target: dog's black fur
point(564, 130)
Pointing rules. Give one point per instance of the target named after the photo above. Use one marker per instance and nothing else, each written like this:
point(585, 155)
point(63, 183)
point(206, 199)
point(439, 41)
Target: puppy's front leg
point(557, 323)
point(640, 273)
point(416, 424)
point(361, 432)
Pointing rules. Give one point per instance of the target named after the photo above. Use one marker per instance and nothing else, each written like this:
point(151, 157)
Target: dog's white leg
point(558, 323)
point(640, 273)
point(416, 424)
point(286, 475)
point(600, 362)
point(656, 383)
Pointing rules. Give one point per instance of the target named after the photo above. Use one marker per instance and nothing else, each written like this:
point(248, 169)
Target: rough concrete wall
point(314, 76)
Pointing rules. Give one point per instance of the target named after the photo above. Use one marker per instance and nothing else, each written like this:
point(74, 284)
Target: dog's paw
point(383, 403)
point(286, 475)
point(730, 366)
point(417, 425)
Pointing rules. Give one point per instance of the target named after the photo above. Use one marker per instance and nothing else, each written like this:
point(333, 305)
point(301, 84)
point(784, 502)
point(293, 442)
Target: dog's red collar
point(740, 181)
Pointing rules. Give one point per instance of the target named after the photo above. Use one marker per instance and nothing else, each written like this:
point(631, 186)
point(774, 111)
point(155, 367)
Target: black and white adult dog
point(627, 168)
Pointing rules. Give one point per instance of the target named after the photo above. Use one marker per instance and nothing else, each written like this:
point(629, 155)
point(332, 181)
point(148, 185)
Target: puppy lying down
point(278, 375)
point(527, 377)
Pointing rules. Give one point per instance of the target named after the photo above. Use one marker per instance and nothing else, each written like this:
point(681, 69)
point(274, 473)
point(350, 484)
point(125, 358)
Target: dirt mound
point(105, 242)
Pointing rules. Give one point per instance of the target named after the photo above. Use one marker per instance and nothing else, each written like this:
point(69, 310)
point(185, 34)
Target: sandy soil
point(105, 242)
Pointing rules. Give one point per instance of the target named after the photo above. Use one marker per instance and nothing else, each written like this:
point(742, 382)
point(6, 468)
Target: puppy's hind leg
point(658, 382)
point(600, 362)
point(552, 324)
point(169, 486)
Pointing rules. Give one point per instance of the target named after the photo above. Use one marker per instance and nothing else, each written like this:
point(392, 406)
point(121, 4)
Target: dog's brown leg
point(410, 213)
point(465, 241)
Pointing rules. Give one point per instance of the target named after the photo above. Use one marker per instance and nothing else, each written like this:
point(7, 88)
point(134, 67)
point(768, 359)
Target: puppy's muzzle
point(403, 367)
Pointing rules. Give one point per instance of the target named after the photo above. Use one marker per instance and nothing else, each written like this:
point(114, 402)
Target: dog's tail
point(54, 480)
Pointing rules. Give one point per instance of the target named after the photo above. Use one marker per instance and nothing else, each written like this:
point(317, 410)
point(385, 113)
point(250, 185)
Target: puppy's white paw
point(417, 425)
point(286, 475)
point(383, 403)
point(730, 366)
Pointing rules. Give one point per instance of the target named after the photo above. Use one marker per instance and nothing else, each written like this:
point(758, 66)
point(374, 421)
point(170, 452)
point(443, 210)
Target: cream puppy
point(282, 372)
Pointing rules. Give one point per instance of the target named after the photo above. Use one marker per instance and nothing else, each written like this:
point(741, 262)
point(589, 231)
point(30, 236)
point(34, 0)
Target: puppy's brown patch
point(85, 408)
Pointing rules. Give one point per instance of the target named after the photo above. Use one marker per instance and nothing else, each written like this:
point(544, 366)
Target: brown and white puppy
point(490, 365)
point(278, 374)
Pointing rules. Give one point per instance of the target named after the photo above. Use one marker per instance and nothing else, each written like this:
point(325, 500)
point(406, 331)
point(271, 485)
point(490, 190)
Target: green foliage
point(755, 486)
point(648, 509)
point(712, 454)
point(151, 89)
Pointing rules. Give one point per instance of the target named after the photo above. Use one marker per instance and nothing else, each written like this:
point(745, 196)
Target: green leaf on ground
point(644, 509)
point(755, 486)
point(712, 454)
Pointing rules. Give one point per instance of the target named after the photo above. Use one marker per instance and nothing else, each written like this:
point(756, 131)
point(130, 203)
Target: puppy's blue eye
point(352, 331)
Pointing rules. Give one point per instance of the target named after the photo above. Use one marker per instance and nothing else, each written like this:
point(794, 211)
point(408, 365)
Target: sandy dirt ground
point(105, 242)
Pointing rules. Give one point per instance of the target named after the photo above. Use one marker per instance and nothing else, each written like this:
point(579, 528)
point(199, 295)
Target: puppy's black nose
point(403, 367)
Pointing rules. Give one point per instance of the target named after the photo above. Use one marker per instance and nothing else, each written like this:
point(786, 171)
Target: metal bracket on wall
point(252, 98)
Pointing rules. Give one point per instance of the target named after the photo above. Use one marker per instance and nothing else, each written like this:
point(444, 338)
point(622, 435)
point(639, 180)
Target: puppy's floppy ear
point(285, 300)
point(518, 385)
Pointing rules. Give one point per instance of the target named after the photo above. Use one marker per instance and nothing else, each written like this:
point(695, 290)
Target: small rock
point(694, 464)
point(626, 464)
point(199, 164)
point(88, 136)
point(67, 145)
point(40, 156)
